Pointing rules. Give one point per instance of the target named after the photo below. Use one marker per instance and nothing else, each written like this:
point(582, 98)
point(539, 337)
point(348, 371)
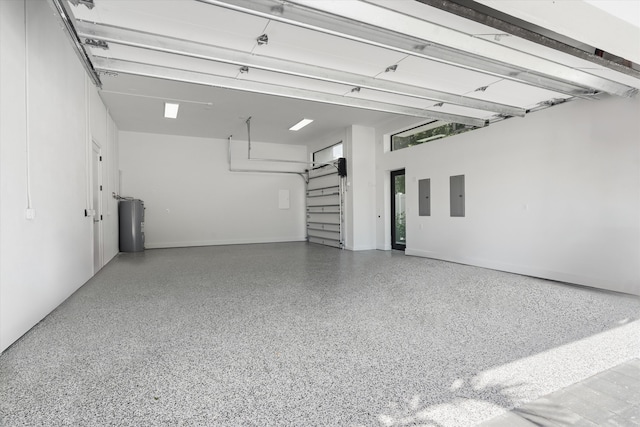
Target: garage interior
point(280, 285)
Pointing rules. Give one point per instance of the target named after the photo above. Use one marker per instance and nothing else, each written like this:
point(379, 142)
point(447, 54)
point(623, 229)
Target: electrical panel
point(456, 195)
point(424, 197)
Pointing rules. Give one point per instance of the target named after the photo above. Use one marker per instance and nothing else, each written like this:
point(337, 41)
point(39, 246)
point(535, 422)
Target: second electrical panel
point(456, 193)
point(424, 194)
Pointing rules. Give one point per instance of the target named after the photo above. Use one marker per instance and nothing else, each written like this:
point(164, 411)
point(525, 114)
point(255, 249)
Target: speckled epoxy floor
point(301, 335)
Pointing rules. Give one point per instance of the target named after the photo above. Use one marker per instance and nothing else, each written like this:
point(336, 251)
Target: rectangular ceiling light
point(171, 110)
point(302, 123)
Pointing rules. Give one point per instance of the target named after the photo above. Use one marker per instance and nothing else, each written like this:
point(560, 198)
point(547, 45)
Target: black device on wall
point(342, 166)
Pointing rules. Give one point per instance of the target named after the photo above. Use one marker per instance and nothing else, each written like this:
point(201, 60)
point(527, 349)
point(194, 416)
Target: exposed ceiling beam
point(192, 49)
point(484, 15)
point(187, 76)
point(378, 26)
point(65, 18)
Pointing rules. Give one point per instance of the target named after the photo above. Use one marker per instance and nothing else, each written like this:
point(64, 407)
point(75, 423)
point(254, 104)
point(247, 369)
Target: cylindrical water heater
point(131, 214)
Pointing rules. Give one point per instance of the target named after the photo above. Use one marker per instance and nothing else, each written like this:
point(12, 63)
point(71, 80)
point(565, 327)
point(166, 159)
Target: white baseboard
point(162, 245)
point(560, 276)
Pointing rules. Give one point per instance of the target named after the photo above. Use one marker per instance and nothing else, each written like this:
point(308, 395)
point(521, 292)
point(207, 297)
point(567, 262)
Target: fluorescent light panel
point(171, 110)
point(302, 123)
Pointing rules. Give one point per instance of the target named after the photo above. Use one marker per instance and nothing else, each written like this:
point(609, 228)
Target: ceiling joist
point(476, 12)
point(187, 76)
point(382, 27)
point(66, 20)
point(376, 55)
point(171, 45)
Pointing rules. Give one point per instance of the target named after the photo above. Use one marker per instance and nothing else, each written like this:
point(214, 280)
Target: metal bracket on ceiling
point(262, 40)
point(278, 9)
point(88, 3)
point(502, 116)
point(439, 104)
point(107, 73)
point(66, 20)
point(100, 44)
point(244, 69)
point(356, 89)
point(552, 102)
point(390, 68)
point(496, 36)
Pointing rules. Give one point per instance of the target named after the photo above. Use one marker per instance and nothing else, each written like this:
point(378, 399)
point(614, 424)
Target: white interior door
point(96, 198)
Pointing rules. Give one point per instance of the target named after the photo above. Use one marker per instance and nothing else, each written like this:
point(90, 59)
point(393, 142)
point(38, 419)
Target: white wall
point(360, 197)
point(104, 132)
point(553, 195)
point(42, 261)
point(192, 199)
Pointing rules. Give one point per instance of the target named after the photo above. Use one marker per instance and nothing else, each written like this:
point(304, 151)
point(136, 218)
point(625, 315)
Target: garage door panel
point(323, 182)
point(319, 226)
point(326, 242)
point(330, 200)
point(324, 206)
point(334, 190)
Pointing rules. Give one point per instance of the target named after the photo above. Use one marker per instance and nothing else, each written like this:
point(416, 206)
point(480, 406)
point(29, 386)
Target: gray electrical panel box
point(424, 194)
point(456, 195)
point(131, 216)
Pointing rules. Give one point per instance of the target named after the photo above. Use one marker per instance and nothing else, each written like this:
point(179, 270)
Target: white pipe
point(248, 122)
point(26, 106)
point(88, 144)
point(231, 169)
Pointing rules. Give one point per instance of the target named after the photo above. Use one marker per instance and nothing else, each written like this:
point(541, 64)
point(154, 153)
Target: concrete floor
point(296, 334)
point(610, 398)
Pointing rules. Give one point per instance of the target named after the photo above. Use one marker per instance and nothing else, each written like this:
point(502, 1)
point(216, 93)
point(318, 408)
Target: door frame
point(392, 186)
point(96, 149)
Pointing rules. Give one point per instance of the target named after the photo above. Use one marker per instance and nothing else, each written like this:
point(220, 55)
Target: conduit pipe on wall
point(232, 169)
point(279, 160)
point(26, 106)
point(87, 148)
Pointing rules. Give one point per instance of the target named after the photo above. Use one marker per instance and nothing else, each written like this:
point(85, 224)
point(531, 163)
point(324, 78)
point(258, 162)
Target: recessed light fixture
point(171, 110)
point(302, 123)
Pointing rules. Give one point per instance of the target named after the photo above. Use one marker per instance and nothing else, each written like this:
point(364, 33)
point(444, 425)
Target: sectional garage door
point(324, 206)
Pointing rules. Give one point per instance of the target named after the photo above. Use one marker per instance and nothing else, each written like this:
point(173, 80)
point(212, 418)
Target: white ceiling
point(159, 50)
point(137, 104)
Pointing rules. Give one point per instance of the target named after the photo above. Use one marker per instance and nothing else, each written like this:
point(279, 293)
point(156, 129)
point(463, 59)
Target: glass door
point(398, 215)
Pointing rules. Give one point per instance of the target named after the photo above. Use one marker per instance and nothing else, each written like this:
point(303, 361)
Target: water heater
point(131, 214)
